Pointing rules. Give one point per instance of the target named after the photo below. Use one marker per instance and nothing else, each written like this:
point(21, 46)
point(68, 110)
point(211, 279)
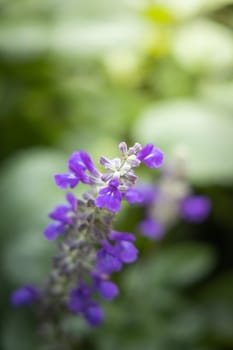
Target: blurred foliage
point(86, 75)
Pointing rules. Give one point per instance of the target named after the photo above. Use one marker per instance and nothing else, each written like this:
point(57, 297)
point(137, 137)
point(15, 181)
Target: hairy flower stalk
point(89, 249)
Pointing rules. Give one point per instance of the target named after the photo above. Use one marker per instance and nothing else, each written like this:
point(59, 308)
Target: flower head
point(151, 156)
point(81, 302)
point(89, 249)
point(78, 164)
point(63, 217)
point(110, 197)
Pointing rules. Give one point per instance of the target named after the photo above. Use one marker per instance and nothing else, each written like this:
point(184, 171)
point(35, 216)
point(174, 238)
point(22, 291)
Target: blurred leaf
point(184, 263)
point(221, 288)
point(218, 93)
point(179, 265)
point(28, 193)
point(158, 14)
point(18, 332)
point(205, 133)
point(204, 46)
point(182, 8)
point(27, 258)
point(64, 37)
point(27, 189)
point(216, 299)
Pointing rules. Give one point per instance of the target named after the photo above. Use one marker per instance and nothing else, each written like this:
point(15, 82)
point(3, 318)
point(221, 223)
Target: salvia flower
point(89, 248)
point(195, 208)
point(170, 198)
point(63, 216)
point(110, 197)
point(78, 164)
point(25, 295)
point(151, 156)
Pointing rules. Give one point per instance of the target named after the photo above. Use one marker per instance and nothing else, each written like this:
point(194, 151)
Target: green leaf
point(204, 46)
point(204, 132)
point(184, 263)
point(28, 193)
point(18, 332)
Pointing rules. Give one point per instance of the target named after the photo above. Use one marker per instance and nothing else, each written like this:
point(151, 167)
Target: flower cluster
point(90, 250)
point(171, 198)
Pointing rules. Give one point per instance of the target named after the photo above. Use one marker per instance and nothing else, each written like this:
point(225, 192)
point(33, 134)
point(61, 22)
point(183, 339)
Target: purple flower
point(132, 196)
point(24, 296)
point(151, 229)
point(61, 214)
point(80, 298)
point(195, 208)
point(53, 230)
point(148, 193)
point(66, 180)
point(94, 314)
point(81, 161)
point(121, 236)
point(73, 203)
point(110, 197)
point(124, 248)
point(107, 289)
point(80, 302)
point(151, 156)
point(78, 163)
point(106, 259)
point(110, 258)
point(126, 252)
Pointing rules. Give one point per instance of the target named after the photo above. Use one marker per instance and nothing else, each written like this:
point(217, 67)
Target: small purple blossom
point(132, 195)
point(151, 228)
point(25, 295)
point(66, 180)
point(124, 249)
point(81, 302)
point(81, 161)
point(106, 259)
point(121, 236)
point(78, 163)
point(148, 193)
point(107, 289)
point(111, 258)
point(62, 214)
point(195, 208)
point(53, 230)
point(110, 197)
point(151, 156)
point(94, 315)
point(80, 298)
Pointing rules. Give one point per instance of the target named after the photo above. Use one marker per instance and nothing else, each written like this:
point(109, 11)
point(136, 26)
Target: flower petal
point(94, 315)
point(53, 230)
point(151, 229)
point(195, 208)
point(66, 180)
point(108, 290)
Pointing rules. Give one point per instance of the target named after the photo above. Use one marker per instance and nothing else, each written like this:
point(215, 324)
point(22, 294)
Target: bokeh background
point(86, 75)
